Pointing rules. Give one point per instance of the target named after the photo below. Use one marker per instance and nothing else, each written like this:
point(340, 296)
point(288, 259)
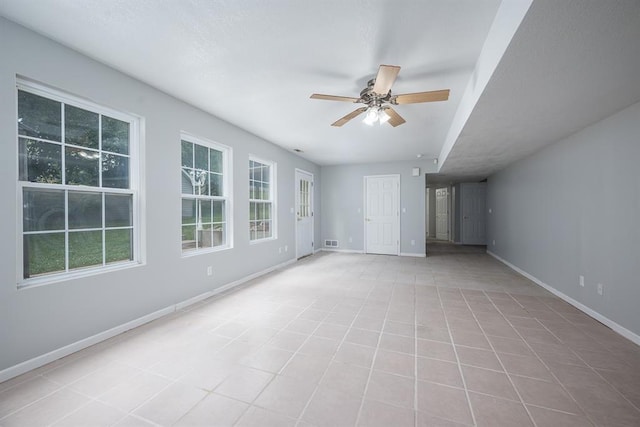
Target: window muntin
point(76, 185)
point(205, 190)
point(261, 200)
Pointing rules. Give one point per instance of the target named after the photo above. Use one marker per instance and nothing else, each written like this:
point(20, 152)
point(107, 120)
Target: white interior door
point(304, 213)
point(473, 214)
point(382, 216)
point(442, 214)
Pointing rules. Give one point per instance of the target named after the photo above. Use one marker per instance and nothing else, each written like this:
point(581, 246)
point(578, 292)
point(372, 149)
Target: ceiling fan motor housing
point(372, 99)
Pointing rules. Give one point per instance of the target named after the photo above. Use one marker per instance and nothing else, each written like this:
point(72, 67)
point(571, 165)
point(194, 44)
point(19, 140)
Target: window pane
point(187, 154)
point(266, 194)
point(187, 185)
point(39, 117)
point(266, 227)
point(252, 211)
point(85, 210)
point(259, 211)
point(115, 135)
point(188, 211)
point(118, 245)
point(215, 161)
point(219, 235)
point(205, 238)
point(115, 171)
point(82, 166)
point(205, 211)
point(118, 210)
point(43, 209)
point(188, 237)
point(203, 189)
point(43, 253)
point(40, 161)
point(202, 157)
point(219, 213)
point(80, 127)
point(266, 174)
point(85, 249)
point(216, 185)
point(267, 211)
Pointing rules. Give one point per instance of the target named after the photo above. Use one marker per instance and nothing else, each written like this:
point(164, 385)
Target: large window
point(261, 200)
point(205, 201)
point(76, 186)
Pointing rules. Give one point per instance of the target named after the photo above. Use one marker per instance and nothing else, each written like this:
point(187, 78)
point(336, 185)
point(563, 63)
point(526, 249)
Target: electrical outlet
point(582, 281)
point(350, 239)
point(600, 289)
point(493, 243)
point(209, 271)
point(413, 243)
point(280, 250)
point(286, 248)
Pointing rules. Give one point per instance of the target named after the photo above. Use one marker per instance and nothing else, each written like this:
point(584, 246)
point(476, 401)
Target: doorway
point(442, 213)
point(382, 214)
point(304, 213)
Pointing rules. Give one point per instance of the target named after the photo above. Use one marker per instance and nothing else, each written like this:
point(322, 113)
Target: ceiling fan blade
point(412, 98)
point(384, 80)
point(396, 119)
point(334, 98)
point(349, 116)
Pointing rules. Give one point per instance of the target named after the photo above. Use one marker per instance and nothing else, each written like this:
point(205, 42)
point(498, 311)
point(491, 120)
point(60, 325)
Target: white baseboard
point(38, 361)
point(344, 251)
point(413, 254)
point(317, 250)
point(589, 311)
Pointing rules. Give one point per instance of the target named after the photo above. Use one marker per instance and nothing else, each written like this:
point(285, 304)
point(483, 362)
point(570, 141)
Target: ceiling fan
point(378, 99)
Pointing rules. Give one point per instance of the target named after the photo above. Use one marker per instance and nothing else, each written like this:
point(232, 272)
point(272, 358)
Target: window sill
point(76, 274)
point(203, 251)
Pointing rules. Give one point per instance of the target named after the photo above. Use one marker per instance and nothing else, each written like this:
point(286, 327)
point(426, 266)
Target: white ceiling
point(254, 64)
point(570, 64)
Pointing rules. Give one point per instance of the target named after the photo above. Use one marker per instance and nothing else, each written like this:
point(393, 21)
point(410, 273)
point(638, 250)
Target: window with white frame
point(77, 185)
point(261, 199)
point(205, 181)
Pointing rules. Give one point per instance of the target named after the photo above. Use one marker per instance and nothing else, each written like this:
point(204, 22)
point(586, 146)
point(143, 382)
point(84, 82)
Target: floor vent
point(330, 243)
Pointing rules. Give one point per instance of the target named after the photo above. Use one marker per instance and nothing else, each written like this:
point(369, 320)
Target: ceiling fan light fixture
point(371, 117)
point(383, 116)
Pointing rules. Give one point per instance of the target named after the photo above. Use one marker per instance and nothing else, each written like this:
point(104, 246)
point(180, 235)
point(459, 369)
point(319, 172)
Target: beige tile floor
point(344, 340)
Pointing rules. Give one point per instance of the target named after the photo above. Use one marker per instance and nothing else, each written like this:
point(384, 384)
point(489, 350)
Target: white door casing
point(473, 213)
point(382, 214)
point(442, 214)
point(304, 213)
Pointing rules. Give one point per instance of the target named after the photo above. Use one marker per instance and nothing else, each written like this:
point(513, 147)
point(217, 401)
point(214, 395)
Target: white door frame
point(296, 202)
point(364, 208)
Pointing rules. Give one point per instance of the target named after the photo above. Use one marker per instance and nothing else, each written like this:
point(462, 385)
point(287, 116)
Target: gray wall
point(37, 320)
point(343, 203)
point(573, 209)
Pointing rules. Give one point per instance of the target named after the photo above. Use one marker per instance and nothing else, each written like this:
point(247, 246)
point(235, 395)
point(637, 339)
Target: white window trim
point(136, 154)
point(227, 188)
point(274, 197)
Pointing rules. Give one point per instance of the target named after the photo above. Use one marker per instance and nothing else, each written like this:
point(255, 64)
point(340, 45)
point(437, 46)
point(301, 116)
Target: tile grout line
point(373, 361)
point(541, 361)
point(455, 352)
point(594, 370)
point(499, 360)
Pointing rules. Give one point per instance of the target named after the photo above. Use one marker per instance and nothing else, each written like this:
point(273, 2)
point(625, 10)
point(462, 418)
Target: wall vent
point(331, 243)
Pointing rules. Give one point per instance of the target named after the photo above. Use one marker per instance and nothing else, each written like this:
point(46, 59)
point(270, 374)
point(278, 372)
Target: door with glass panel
point(304, 213)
